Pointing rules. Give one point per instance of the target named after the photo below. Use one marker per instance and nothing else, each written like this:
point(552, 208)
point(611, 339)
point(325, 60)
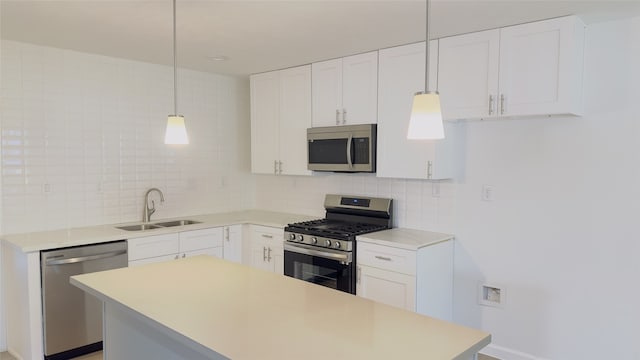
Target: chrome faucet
point(148, 211)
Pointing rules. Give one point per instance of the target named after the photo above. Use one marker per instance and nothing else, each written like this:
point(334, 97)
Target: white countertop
point(409, 239)
point(44, 240)
point(244, 313)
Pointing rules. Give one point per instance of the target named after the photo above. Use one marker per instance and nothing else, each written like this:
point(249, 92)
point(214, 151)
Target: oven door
point(326, 267)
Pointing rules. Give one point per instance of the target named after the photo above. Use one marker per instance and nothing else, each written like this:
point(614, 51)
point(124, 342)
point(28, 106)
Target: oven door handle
point(344, 258)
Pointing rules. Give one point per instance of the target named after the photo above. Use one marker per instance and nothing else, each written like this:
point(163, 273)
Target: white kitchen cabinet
point(522, 70)
point(419, 280)
point(267, 250)
point(345, 90)
point(280, 116)
point(157, 248)
point(233, 243)
point(387, 287)
point(401, 75)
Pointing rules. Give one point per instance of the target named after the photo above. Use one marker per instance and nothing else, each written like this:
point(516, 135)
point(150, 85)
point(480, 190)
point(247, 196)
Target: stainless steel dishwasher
point(72, 319)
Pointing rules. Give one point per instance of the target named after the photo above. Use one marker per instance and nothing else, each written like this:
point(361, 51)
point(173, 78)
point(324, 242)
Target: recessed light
point(218, 58)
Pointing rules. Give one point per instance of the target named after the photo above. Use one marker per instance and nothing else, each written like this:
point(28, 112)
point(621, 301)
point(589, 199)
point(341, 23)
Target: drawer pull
point(267, 236)
point(383, 258)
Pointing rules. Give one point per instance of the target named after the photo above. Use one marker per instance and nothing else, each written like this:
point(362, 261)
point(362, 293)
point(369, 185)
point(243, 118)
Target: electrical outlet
point(487, 192)
point(491, 295)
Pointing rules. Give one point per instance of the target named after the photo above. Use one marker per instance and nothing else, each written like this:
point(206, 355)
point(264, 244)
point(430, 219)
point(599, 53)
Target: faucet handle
point(151, 209)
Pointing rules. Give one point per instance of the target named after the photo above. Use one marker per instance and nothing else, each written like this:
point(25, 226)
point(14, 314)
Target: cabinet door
point(265, 100)
point(387, 287)
point(233, 243)
point(259, 250)
point(200, 239)
point(401, 75)
point(468, 75)
point(295, 118)
point(327, 92)
point(153, 246)
point(541, 67)
point(360, 89)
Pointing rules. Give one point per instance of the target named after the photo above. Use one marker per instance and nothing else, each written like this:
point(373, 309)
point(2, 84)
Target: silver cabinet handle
point(344, 116)
point(86, 258)
point(279, 167)
point(429, 169)
point(269, 255)
point(227, 236)
point(358, 275)
point(349, 141)
point(264, 254)
point(184, 256)
point(501, 104)
point(383, 258)
point(275, 167)
point(490, 104)
point(267, 236)
point(177, 257)
point(337, 117)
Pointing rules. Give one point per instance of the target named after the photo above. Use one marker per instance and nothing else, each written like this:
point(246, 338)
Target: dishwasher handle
point(80, 259)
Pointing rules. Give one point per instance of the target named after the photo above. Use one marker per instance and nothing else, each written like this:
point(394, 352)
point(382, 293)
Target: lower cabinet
point(418, 280)
point(157, 248)
point(267, 250)
point(233, 243)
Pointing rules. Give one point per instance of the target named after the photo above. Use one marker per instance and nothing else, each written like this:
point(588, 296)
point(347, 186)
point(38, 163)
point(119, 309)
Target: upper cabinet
point(280, 116)
point(523, 70)
point(345, 90)
point(401, 75)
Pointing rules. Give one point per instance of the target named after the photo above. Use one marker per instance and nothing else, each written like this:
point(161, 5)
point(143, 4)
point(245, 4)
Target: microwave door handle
point(349, 141)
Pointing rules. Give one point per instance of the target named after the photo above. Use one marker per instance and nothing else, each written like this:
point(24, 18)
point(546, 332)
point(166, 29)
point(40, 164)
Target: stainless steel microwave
point(349, 148)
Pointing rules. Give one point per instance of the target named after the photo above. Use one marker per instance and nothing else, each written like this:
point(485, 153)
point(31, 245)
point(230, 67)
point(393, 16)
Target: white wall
point(561, 235)
point(90, 130)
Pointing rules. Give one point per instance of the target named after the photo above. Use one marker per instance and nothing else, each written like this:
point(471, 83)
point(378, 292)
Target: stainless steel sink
point(139, 227)
point(177, 223)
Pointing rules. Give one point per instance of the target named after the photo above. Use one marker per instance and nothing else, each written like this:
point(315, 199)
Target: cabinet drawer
point(274, 237)
point(387, 258)
point(200, 239)
point(152, 260)
point(153, 246)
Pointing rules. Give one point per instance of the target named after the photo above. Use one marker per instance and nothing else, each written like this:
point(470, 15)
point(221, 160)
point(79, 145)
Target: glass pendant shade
point(426, 117)
point(176, 133)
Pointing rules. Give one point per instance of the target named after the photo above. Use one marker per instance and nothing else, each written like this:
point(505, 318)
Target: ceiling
point(264, 35)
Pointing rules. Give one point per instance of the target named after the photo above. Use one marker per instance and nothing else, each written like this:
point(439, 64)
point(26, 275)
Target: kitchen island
point(208, 308)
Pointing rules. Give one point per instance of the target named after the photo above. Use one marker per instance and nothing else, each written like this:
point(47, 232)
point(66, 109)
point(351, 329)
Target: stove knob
point(337, 244)
point(328, 243)
point(300, 238)
point(292, 236)
point(314, 240)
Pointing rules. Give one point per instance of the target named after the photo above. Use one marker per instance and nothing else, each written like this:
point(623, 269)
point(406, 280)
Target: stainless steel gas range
point(324, 251)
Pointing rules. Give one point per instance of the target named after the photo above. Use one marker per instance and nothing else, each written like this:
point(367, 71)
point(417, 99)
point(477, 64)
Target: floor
point(98, 356)
point(92, 356)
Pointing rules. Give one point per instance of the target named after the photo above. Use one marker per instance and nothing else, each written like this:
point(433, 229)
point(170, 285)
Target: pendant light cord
point(426, 63)
point(175, 64)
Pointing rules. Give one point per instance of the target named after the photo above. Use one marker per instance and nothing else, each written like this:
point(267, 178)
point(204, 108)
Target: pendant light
point(426, 115)
point(176, 133)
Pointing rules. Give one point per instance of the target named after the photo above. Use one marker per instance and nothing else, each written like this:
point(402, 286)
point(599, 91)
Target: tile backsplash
point(415, 203)
point(82, 140)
